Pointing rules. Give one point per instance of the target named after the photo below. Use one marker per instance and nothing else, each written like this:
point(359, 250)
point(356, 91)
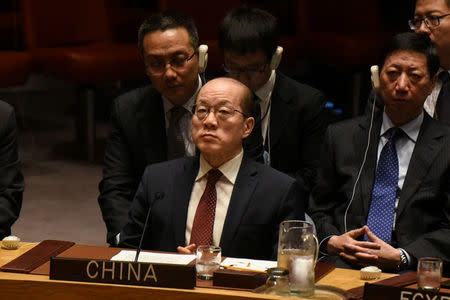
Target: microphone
point(158, 196)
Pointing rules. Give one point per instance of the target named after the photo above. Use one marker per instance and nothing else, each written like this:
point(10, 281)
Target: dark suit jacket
point(11, 179)
point(422, 225)
point(262, 197)
point(297, 127)
point(137, 138)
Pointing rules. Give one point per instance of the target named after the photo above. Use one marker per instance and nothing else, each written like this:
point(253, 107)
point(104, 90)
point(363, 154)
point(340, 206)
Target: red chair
point(72, 40)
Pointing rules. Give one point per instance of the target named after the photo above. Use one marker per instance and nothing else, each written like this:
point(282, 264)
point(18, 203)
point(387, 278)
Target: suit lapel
point(368, 171)
point(182, 189)
point(243, 189)
point(279, 110)
point(152, 128)
point(428, 145)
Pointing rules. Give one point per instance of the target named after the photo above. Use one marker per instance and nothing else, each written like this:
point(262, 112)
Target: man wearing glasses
point(433, 18)
point(151, 124)
point(292, 119)
point(220, 198)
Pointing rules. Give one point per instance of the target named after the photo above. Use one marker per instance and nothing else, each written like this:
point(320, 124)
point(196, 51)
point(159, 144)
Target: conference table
point(31, 286)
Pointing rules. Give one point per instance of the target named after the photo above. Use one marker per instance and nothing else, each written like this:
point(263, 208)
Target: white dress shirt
point(224, 189)
point(430, 102)
point(264, 94)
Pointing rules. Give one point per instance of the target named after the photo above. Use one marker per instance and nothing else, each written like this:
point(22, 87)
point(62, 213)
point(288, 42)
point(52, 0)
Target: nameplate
point(117, 272)
point(376, 292)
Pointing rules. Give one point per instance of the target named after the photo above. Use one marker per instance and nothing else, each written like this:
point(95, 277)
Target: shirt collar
point(188, 105)
point(265, 90)
point(229, 169)
point(411, 128)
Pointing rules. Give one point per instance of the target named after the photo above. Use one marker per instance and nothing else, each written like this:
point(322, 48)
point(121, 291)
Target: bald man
point(221, 197)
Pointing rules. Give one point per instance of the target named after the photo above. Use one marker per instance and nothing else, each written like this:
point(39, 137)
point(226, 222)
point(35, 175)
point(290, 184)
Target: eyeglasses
point(430, 22)
point(158, 66)
point(221, 112)
point(248, 71)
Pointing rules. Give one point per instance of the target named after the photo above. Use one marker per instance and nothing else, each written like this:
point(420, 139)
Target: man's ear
point(249, 123)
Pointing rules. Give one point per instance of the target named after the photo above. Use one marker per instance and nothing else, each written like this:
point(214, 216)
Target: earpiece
point(276, 58)
point(375, 76)
point(202, 58)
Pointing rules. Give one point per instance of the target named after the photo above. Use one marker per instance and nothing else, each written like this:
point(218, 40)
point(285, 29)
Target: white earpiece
point(276, 58)
point(202, 58)
point(375, 76)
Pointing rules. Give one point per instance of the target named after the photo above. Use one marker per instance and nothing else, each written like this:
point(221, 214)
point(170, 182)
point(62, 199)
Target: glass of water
point(208, 260)
point(429, 272)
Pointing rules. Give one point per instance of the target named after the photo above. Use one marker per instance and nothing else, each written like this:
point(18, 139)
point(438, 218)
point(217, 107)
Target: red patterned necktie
point(202, 227)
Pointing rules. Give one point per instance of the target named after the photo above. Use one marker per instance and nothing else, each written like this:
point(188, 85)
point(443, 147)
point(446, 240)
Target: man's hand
point(187, 250)
point(339, 243)
point(385, 257)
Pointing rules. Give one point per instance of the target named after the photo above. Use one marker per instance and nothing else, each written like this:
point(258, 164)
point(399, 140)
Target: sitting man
point(292, 122)
point(240, 213)
point(11, 179)
point(383, 192)
point(152, 124)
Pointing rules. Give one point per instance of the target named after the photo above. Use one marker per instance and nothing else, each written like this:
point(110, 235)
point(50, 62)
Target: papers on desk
point(248, 264)
point(155, 258)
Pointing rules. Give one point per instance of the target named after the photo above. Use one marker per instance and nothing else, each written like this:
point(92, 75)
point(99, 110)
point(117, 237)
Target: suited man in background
point(391, 207)
point(432, 17)
point(250, 199)
point(11, 178)
point(151, 124)
point(293, 120)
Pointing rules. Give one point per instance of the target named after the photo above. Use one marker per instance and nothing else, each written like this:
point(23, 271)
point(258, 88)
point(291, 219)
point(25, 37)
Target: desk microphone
point(158, 196)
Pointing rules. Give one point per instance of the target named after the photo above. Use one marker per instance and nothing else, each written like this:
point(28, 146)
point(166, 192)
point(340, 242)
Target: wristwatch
point(403, 260)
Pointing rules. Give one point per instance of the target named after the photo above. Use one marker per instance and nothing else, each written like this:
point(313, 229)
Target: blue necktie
point(381, 213)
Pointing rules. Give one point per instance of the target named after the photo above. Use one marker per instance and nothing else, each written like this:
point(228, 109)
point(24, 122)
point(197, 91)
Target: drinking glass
point(208, 260)
point(429, 272)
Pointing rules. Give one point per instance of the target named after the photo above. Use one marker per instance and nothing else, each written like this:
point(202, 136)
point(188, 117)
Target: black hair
point(416, 42)
point(168, 20)
point(246, 30)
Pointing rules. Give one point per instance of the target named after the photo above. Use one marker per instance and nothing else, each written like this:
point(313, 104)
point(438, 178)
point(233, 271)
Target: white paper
point(155, 258)
point(248, 264)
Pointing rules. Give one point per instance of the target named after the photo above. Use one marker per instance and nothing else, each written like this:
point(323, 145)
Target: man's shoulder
point(350, 125)
point(5, 108)
point(135, 99)
point(269, 174)
point(178, 165)
point(297, 90)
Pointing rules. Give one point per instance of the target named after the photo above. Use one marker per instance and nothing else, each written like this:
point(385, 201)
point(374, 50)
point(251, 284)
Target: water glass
point(208, 260)
point(429, 272)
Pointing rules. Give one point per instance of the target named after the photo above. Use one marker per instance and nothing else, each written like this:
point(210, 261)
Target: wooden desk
point(37, 287)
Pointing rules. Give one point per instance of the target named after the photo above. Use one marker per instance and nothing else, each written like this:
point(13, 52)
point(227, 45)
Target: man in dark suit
point(152, 124)
point(11, 179)
point(293, 120)
point(383, 192)
point(250, 199)
point(432, 17)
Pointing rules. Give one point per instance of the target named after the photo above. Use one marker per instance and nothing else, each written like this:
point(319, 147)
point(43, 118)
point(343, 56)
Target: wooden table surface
point(23, 286)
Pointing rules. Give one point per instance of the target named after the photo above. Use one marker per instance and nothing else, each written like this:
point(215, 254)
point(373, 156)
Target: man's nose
point(169, 72)
point(402, 82)
point(423, 28)
point(210, 119)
